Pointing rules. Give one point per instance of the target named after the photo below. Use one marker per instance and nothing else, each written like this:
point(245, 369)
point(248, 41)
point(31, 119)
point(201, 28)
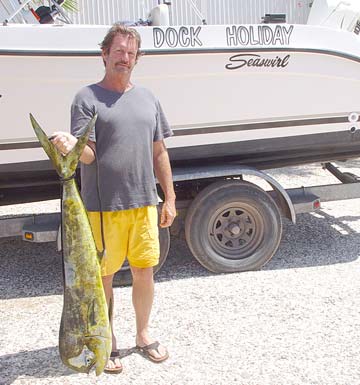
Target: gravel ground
point(296, 321)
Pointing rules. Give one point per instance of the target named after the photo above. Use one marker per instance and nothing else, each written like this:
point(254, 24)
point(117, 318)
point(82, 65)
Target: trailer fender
point(282, 198)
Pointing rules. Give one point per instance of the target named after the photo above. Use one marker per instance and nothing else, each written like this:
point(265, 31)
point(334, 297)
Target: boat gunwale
point(182, 51)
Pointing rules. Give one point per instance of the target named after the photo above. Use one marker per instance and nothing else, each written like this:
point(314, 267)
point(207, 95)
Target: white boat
point(264, 95)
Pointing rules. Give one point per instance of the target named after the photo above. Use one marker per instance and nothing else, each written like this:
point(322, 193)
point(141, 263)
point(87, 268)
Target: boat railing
point(17, 12)
point(197, 11)
point(42, 15)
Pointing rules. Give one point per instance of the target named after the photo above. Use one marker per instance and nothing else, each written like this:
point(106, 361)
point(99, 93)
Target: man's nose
point(125, 57)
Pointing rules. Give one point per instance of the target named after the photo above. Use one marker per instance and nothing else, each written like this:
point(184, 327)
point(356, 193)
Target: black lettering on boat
point(287, 34)
point(267, 34)
point(260, 35)
point(159, 37)
point(237, 59)
point(171, 37)
point(254, 36)
point(184, 38)
point(231, 38)
point(278, 36)
point(357, 28)
point(254, 60)
point(243, 35)
point(195, 40)
point(285, 61)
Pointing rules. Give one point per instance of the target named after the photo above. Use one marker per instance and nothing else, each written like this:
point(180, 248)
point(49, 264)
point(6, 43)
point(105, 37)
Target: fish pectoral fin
point(91, 317)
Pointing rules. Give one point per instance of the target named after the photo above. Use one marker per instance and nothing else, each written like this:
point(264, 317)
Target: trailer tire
point(124, 278)
point(233, 226)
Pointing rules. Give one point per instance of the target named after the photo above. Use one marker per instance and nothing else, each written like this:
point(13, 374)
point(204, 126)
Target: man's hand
point(168, 213)
point(63, 141)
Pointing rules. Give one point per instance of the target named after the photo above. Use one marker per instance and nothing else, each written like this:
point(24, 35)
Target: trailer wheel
point(233, 226)
point(123, 277)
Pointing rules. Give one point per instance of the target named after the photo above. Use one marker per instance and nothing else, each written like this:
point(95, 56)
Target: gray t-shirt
point(127, 125)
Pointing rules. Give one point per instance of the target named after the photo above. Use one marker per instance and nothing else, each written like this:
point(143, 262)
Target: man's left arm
point(163, 173)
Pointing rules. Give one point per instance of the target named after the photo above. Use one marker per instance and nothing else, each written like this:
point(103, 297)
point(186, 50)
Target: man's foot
point(114, 365)
point(154, 352)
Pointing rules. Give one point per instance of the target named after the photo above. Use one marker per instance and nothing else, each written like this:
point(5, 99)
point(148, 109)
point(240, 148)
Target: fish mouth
point(83, 362)
point(91, 365)
point(91, 355)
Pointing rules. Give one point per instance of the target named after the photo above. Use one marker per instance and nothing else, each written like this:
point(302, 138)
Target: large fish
point(85, 334)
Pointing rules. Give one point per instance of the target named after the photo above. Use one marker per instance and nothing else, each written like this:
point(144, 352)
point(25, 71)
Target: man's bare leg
point(109, 295)
point(143, 297)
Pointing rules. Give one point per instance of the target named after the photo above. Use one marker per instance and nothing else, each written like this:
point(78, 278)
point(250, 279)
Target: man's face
point(121, 57)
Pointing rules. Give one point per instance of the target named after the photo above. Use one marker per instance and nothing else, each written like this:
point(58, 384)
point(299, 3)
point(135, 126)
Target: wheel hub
point(234, 231)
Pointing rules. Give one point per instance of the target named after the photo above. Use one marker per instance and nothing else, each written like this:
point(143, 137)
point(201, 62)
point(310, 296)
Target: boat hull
point(260, 105)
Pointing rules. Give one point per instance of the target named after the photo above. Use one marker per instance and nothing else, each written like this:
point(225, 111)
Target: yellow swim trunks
point(131, 234)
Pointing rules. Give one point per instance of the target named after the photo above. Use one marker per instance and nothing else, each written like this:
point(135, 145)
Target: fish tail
point(48, 147)
point(74, 155)
point(66, 165)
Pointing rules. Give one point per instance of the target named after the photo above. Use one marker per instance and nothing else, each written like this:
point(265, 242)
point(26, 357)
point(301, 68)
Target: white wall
point(7, 7)
point(241, 11)
point(214, 11)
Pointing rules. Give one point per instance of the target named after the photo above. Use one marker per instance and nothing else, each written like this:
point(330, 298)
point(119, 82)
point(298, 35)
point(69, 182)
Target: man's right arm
point(89, 154)
point(81, 112)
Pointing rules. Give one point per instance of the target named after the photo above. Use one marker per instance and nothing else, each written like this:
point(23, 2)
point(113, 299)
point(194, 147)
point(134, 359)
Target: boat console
point(336, 14)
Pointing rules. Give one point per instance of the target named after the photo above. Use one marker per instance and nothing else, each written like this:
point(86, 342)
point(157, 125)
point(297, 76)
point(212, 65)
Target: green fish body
point(85, 333)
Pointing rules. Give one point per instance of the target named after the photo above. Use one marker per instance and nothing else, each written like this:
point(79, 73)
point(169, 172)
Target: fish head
point(101, 348)
point(84, 353)
point(82, 362)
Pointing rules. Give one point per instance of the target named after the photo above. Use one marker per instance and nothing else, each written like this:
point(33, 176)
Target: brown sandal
point(145, 351)
point(117, 369)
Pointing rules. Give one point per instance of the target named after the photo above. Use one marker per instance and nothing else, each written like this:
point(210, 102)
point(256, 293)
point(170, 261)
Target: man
point(118, 185)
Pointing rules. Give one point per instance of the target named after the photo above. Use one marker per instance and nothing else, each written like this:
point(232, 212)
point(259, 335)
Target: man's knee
point(107, 281)
point(142, 274)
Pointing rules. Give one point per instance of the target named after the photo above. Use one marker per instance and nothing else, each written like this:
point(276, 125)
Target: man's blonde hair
point(121, 29)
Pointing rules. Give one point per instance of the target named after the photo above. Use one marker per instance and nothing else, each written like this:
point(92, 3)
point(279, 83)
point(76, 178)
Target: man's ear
point(138, 56)
point(104, 54)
